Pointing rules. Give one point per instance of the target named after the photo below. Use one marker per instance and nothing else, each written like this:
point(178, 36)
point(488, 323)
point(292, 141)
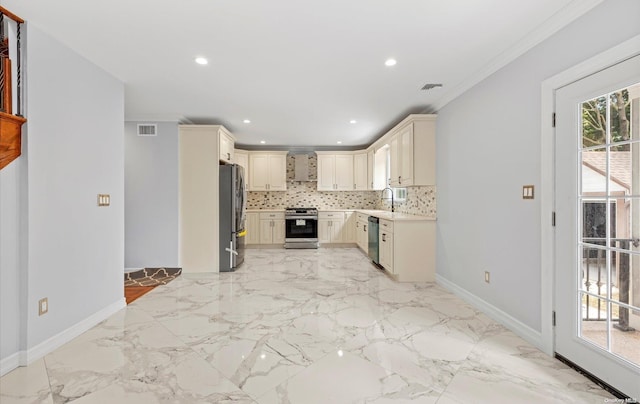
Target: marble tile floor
point(298, 326)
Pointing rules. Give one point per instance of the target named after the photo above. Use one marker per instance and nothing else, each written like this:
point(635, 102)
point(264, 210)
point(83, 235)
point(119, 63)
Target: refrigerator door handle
point(231, 251)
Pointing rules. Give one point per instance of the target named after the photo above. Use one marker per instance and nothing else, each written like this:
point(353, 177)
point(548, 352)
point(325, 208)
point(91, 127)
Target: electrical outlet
point(43, 306)
point(487, 276)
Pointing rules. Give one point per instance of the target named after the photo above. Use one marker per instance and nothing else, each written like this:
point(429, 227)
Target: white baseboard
point(519, 328)
point(132, 269)
point(24, 358)
point(9, 363)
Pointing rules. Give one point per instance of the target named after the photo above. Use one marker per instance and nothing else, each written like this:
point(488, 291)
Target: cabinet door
point(395, 161)
point(266, 231)
point(336, 229)
point(278, 231)
point(349, 228)
point(365, 236)
point(278, 172)
point(324, 230)
point(371, 164)
point(225, 145)
point(259, 170)
point(253, 228)
point(344, 172)
point(360, 179)
point(386, 250)
point(326, 172)
point(406, 156)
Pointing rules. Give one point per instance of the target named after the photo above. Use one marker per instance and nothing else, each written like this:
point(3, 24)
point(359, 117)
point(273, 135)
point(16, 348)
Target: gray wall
point(70, 250)
point(151, 197)
point(489, 147)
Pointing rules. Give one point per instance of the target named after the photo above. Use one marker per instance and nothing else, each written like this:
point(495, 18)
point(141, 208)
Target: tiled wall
point(420, 200)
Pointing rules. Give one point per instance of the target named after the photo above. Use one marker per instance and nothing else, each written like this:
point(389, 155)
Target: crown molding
point(555, 23)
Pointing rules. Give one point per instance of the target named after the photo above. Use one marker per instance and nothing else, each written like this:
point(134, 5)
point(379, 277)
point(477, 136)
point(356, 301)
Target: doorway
point(597, 233)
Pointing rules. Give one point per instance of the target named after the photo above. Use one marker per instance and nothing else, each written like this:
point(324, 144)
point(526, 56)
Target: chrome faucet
point(382, 197)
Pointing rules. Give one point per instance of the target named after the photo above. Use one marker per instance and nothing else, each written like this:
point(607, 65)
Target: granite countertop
point(395, 216)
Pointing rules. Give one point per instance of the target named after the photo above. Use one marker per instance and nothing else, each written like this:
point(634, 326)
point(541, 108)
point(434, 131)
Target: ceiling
point(299, 70)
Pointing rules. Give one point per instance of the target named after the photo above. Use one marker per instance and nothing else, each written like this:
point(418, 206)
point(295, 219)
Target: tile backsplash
point(420, 200)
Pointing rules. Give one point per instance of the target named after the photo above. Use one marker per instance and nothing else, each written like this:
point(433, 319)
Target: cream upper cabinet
point(326, 172)
point(412, 153)
point(394, 158)
point(360, 172)
point(241, 158)
point(335, 172)
point(268, 171)
point(226, 143)
point(371, 164)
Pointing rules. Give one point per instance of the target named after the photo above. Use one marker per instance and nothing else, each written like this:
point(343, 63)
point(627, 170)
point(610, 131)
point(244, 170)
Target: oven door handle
point(301, 217)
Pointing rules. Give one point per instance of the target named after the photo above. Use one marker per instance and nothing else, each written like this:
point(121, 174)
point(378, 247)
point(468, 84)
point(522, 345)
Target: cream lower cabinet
point(362, 236)
point(330, 226)
point(253, 228)
point(407, 249)
point(349, 227)
point(385, 245)
point(272, 228)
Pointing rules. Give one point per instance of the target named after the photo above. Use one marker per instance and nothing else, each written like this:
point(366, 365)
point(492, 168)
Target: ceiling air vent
point(430, 86)
point(147, 129)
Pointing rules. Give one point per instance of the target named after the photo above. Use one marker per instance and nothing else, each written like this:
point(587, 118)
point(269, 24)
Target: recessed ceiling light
point(263, 141)
point(390, 62)
point(353, 121)
point(339, 142)
point(202, 61)
point(246, 121)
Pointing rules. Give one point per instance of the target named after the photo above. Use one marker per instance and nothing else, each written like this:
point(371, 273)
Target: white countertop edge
point(381, 214)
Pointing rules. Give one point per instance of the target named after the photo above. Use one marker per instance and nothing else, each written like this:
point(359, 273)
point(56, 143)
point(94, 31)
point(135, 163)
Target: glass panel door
point(597, 287)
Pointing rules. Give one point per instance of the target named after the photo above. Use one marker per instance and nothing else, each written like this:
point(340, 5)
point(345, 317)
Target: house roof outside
point(619, 165)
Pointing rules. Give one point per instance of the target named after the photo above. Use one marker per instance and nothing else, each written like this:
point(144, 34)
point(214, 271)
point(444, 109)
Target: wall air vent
point(430, 86)
point(147, 129)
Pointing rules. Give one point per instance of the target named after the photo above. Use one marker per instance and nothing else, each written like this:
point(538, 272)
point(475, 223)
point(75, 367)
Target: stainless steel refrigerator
point(232, 217)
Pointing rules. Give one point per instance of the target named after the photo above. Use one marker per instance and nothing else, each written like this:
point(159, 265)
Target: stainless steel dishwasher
point(374, 224)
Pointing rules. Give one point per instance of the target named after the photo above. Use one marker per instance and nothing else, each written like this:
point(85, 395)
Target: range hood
point(301, 167)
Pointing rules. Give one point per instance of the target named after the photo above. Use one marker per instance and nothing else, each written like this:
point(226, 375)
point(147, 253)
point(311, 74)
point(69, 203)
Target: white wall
point(489, 147)
point(151, 197)
point(71, 251)
point(9, 259)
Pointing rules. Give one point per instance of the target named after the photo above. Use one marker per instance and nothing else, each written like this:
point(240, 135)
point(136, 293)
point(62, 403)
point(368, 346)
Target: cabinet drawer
point(271, 215)
point(387, 225)
point(330, 215)
point(362, 217)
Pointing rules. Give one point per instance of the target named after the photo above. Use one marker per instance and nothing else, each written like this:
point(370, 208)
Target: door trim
point(603, 60)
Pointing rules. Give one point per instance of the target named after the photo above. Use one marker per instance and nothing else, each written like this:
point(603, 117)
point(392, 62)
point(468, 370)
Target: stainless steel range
point(301, 228)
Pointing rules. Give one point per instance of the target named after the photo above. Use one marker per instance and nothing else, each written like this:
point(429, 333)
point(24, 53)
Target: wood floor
point(131, 293)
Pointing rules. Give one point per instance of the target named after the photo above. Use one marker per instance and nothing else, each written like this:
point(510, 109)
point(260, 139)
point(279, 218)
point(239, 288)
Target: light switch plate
point(104, 199)
point(43, 306)
point(527, 192)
